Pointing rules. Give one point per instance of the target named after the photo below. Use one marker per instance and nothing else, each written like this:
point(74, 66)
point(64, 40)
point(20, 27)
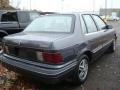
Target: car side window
point(84, 29)
point(91, 27)
point(9, 17)
point(99, 22)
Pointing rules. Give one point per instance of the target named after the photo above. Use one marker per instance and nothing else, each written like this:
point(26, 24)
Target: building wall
point(109, 11)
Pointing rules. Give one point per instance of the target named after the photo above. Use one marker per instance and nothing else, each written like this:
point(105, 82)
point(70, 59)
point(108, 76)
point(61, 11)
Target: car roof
point(74, 13)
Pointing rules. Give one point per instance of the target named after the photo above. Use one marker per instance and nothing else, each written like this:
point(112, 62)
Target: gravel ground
point(104, 75)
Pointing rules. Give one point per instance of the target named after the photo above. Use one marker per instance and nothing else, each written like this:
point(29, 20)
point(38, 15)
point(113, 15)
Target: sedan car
point(60, 46)
point(113, 18)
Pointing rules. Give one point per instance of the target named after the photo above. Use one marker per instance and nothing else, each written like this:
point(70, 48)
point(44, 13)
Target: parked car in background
point(113, 18)
point(15, 21)
point(110, 18)
point(59, 46)
point(105, 18)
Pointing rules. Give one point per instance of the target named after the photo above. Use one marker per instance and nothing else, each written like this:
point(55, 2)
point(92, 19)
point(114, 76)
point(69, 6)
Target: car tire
point(0, 39)
point(112, 46)
point(0, 43)
point(81, 71)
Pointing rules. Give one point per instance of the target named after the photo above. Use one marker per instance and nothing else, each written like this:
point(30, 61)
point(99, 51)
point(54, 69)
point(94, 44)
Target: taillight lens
point(54, 58)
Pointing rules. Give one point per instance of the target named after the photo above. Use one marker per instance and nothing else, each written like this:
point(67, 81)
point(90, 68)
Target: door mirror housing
point(108, 27)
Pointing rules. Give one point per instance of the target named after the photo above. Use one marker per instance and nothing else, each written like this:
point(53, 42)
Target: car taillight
point(54, 58)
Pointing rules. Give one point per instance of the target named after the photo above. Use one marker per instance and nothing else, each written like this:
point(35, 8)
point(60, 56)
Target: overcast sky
point(65, 5)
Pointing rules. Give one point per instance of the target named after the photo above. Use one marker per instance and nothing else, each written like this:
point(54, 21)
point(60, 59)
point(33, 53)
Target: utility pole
point(93, 6)
point(111, 4)
point(105, 8)
point(62, 2)
point(30, 5)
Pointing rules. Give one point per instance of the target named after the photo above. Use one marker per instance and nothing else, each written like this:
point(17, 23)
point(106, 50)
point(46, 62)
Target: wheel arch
point(3, 33)
point(89, 54)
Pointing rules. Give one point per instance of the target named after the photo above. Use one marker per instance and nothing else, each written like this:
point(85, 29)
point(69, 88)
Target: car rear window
point(51, 23)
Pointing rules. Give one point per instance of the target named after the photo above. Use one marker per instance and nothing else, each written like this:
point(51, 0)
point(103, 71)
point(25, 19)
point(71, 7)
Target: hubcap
point(83, 69)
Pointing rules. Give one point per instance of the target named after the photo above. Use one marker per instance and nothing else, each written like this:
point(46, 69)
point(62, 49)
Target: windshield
point(51, 23)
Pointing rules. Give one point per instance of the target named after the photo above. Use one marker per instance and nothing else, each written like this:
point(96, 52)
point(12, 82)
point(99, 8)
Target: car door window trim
point(96, 22)
point(86, 24)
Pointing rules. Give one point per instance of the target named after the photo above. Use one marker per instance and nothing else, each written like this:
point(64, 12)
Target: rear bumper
point(43, 72)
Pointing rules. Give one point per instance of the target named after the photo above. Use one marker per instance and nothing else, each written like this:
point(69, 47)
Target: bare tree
point(18, 3)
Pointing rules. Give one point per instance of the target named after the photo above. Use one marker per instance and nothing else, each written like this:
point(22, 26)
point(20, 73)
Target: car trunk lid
point(26, 46)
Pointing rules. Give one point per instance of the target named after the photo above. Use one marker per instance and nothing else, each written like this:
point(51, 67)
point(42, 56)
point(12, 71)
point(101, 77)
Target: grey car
point(59, 46)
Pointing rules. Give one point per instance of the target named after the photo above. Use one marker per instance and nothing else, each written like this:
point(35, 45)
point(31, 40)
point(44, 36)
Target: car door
point(93, 36)
point(107, 35)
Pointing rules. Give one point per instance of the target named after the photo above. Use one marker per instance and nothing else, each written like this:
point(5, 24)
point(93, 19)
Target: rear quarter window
point(90, 25)
point(100, 23)
point(84, 29)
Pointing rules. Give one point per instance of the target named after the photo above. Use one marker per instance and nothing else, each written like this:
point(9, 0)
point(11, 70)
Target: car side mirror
point(108, 27)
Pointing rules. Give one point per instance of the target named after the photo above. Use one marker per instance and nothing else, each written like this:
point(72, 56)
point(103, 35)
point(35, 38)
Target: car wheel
point(81, 71)
point(113, 46)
